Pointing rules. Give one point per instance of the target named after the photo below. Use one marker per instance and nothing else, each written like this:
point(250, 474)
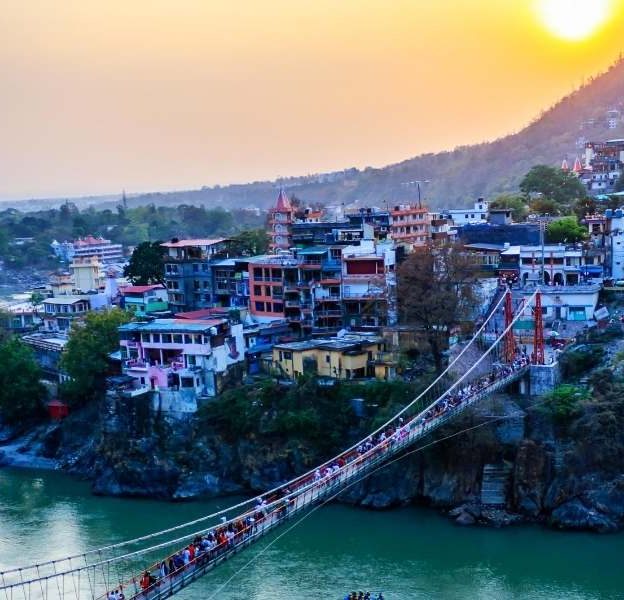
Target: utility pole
point(417, 183)
point(542, 229)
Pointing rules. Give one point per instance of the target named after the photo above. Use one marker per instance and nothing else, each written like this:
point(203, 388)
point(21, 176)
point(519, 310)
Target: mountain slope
point(456, 177)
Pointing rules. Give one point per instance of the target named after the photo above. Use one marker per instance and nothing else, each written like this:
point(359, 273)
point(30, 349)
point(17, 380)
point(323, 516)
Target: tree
point(147, 264)
point(21, 391)
point(566, 230)
point(584, 207)
point(561, 186)
point(436, 293)
point(86, 355)
point(36, 299)
point(545, 206)
point(514, 202)
point(250, 242)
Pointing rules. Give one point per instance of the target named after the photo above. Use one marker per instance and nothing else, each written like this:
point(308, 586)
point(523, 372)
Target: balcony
point(328, 313)
point(329, 281)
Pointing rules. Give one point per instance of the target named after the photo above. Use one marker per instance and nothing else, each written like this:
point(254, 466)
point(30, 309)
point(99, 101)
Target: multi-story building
point(464, 216)
point(351, 356)
point(604, 163)
point(144, 299)
point(409, 225)
point(188, 272)
point(59, 313)
point(87, 274)
point(325, 288)
point(281, 219)
point(563, 265)
point(182, 360)
point(230, 280)
point(615, 242)
point(105, 250)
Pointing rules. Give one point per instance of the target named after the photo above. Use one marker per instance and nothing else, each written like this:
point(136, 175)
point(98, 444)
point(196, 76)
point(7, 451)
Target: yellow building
point(87, 273)
point(349, 357)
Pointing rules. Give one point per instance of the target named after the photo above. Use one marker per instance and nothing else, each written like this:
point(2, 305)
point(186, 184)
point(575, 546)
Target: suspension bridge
point(160, 564)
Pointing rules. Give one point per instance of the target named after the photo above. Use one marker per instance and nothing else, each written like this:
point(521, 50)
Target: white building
point(615, 220)
point(563, 265)
point(464, 216)
point(567, 303)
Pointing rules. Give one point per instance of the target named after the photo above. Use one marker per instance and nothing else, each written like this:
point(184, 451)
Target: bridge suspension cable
point(303, 480)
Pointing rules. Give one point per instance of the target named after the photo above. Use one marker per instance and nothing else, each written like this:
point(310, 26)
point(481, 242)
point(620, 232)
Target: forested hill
point(457, 177)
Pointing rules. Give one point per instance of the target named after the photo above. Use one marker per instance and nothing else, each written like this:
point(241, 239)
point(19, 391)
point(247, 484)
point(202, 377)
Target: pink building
point(181, 359)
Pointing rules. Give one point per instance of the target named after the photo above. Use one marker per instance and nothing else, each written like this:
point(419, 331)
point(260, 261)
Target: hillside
point(457, 177)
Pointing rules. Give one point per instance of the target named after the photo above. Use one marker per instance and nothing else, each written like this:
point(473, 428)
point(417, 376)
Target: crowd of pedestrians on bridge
point(204, 549)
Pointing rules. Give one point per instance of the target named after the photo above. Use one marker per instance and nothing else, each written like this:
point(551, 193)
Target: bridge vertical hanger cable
point(301, 478)
point(421, 395)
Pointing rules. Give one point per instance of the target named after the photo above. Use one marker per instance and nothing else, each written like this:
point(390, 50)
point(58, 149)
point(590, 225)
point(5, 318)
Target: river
point(410, 553)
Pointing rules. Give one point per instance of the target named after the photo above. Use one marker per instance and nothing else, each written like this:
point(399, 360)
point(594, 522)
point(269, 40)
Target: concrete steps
point(494, 484)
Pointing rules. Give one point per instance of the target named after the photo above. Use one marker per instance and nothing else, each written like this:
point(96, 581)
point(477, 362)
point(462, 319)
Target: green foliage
point(564, 402)
point(619, 184)
point(21, 392)
point(85, 358)
point(318, 415)
point(565, 230)
point(545, 206)
point(146, 265)
point(515, 202)
point(126, 226)
point(584, 207)
point(561, 186)
point(250, 242)
point(575, 362)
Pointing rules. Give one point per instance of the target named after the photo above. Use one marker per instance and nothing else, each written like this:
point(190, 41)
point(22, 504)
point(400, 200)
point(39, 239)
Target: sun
point(573, 19)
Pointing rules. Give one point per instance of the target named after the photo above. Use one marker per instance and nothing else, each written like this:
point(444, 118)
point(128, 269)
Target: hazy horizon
point(161, 96)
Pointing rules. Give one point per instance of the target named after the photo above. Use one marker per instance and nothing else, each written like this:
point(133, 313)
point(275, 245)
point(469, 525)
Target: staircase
point(494, 484)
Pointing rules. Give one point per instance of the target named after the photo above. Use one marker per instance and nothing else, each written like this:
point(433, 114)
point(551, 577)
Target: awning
point(591, 270)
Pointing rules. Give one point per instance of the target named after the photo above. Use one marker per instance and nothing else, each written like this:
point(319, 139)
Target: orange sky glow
point(96, 96)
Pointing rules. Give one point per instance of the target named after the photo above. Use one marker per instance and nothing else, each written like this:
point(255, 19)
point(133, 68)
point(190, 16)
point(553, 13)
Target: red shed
point(57, 410)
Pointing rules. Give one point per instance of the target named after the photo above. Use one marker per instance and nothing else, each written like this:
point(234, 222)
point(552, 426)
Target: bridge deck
point(310, 495)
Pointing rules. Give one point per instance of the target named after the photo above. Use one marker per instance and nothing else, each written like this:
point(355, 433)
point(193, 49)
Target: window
point(145, 337)
point(287, 355)
point(188, 339)
point(197, 338)
point(267, 290)
point(260, 306)
point(278, 307)
point(195, 268)
point(204, 267)
point(166, 338)
point(257, 273)
point(206, 284)
point(156, 338)
point(327, 358)
point(257, 290)
point(281, 355)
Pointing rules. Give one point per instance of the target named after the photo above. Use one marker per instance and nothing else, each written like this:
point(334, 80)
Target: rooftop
point(65, 299)
point(344, 343)
point(174, 325)
point(193, 242)
point(140, 289)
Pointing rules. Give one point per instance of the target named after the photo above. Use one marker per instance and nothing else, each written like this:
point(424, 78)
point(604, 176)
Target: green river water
point(407, 553)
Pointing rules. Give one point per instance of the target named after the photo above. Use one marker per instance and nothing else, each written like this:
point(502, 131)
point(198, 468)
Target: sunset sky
point(96, 96)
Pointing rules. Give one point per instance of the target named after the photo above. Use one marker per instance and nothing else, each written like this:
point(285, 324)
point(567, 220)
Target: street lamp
point(417, 183)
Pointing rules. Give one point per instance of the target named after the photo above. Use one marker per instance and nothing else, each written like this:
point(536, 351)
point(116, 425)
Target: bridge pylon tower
point(538, 332)
point(509, 343)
